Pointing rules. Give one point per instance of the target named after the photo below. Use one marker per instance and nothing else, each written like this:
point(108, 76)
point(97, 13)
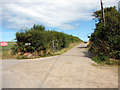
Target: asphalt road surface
point(73, 69)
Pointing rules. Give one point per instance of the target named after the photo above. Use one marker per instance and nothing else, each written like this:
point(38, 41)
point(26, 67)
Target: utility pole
point(102, 10)
point(119, 7)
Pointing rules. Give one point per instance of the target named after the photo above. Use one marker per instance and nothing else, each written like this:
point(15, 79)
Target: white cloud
point(51, 13)
point(69, 27)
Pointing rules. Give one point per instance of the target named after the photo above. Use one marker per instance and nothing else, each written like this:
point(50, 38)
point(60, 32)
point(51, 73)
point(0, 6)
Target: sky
point(73, 17)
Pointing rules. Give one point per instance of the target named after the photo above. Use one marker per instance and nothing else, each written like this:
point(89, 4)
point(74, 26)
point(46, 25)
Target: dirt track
point(72, 69)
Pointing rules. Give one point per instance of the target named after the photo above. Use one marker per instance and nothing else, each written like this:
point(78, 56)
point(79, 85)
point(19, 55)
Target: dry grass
point(6, 53)
point(66, 49)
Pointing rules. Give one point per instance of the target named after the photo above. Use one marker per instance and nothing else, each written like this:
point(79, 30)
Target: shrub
point(41, 41)
point(105, 41)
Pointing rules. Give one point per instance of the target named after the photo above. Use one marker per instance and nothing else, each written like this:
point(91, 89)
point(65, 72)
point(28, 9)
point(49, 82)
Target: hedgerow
point(105, 41)
point(42, 40)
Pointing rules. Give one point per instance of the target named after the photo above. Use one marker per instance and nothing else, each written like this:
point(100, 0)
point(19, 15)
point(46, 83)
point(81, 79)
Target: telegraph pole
point(102, 10)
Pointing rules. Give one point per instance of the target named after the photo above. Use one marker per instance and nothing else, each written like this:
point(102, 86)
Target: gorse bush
point(105, 41)
point(42, 41)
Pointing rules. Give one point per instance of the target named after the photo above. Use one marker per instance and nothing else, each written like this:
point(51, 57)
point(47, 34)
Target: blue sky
point(86, 27)
point(73, 17)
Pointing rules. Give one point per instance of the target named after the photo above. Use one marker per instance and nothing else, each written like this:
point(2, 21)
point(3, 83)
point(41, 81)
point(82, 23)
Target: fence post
point(53, 45)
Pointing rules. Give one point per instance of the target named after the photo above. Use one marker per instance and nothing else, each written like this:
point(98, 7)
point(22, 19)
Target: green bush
point(42, 40)
point(105, 41)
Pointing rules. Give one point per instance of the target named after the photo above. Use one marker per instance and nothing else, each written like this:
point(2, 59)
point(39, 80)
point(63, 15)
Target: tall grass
point(5, 51)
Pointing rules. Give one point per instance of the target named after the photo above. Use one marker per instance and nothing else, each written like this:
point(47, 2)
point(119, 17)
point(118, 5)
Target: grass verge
point(66, 49)
point(106, 62)
point(7, 54)
point(5, 51)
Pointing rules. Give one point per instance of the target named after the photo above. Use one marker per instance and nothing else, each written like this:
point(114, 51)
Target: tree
point(38, 27)
point(105, 41)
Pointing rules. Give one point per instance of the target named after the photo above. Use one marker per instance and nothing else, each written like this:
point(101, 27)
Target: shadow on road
point(84, 50)
point(86, 53)
point(81, 47)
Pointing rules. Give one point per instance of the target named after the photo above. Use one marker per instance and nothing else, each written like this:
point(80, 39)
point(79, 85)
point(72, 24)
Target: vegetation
point(41, 42)
point(5, 51)
point(105, 41)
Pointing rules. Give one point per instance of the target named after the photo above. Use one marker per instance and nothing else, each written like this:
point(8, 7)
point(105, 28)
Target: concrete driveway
point(72, 69)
